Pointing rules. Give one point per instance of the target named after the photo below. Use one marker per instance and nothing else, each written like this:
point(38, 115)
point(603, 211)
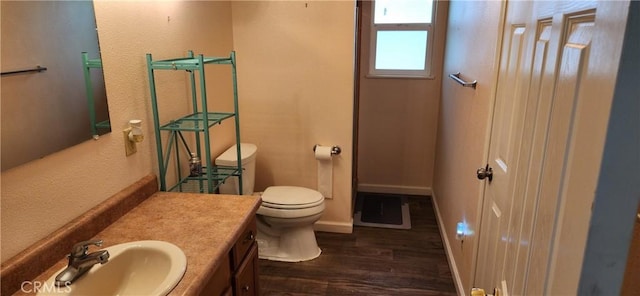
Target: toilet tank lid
point(230, 156)
point(291, 195)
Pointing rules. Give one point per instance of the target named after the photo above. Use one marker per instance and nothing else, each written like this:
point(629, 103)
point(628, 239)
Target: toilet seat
point(291, 207)
point(291, 202)
point(291, 198)
point(290, 213)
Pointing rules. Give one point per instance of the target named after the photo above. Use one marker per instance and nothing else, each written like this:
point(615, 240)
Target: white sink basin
point(135, 268)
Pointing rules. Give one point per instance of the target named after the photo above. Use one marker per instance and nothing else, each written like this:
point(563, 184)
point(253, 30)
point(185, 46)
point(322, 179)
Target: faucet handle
point(82, 248)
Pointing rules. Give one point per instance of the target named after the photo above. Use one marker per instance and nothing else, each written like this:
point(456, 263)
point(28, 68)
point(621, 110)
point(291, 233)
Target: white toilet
point(285, 218)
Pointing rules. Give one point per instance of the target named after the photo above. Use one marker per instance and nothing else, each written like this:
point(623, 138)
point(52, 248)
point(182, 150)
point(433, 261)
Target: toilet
point(286, 216)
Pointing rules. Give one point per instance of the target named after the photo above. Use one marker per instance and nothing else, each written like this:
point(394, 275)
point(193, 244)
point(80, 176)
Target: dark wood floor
point(370, 261)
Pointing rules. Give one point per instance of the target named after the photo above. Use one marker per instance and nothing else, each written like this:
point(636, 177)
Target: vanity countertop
point(204, 226)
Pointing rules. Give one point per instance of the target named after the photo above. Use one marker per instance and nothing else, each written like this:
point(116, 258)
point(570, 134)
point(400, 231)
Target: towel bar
point(456, 77)
point(36, 69)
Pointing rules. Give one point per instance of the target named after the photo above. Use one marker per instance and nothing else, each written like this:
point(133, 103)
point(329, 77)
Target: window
point(401, 38)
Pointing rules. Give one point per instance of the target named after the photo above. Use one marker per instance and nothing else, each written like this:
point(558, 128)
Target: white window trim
point(429, 27)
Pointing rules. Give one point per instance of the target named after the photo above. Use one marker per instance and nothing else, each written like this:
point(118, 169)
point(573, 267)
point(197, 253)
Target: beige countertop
point(204, 226)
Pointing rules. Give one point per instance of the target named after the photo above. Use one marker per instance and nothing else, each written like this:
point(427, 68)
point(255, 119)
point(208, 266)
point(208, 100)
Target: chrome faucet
point(80, 261)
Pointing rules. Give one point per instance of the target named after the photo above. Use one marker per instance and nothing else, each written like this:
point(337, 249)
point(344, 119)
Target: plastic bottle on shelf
point(195, 165)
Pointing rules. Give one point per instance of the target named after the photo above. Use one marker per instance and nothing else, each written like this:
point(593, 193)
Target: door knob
point(485, 172)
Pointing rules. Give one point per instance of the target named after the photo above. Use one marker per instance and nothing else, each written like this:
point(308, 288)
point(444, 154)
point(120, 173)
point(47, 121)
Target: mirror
point(45, 97)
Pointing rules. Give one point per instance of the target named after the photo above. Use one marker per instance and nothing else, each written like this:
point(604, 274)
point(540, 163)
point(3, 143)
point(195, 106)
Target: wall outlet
point(461, 229)
point(129, 146)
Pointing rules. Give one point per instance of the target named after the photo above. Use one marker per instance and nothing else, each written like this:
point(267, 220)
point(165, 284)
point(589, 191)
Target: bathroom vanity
point(216, 233)
point(238, 274)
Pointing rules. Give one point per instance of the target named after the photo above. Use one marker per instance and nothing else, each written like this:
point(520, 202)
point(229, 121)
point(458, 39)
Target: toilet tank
point(230, 158)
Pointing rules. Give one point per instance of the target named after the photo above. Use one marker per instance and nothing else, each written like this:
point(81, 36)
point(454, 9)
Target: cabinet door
point(241, 247)
point(220, 282)
point(245, 280)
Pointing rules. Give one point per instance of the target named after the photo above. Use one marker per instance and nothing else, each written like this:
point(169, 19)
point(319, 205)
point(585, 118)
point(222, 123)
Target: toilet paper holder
point(335, 150)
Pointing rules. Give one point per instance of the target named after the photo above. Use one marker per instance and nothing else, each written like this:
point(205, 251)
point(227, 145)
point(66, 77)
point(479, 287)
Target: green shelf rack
point(199, 122)
point(196, 121)
point(87, 65)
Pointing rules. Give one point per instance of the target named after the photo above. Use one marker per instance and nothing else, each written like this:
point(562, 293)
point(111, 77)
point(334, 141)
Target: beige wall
point(463, 127)
point(295, 67)
point(398, 121)
point(43, 195)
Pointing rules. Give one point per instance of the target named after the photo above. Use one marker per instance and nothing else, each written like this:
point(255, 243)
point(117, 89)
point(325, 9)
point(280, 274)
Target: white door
point(506, 137)
point(558, 65)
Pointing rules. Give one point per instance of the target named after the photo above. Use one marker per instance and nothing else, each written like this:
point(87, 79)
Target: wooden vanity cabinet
point(244, 262)
point(238, 274)
point(220, 282)
point(245, 279)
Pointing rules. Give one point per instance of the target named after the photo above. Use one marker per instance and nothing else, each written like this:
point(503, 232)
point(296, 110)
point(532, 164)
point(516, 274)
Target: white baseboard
point(336, 227)
point(395, 189)
point(452, 262)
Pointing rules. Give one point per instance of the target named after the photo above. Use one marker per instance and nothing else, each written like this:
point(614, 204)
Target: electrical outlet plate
point(129, 146)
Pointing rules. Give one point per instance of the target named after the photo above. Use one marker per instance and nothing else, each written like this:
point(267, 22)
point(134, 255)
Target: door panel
point(520, 232)
point(505, 142)
point(486, 276)
point(506, 106)
point(535, 207)
point(558, 145)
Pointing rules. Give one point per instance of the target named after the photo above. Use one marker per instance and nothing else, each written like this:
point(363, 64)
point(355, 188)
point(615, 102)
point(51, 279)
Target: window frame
point(396, 73)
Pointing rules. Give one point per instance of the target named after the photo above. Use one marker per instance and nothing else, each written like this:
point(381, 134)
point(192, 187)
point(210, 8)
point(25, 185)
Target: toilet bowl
point(285, 223)
point(286, 216)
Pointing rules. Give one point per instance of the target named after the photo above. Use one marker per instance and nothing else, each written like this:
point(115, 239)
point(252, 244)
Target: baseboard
point(452, 262)
point(395, 189)
point(336, 227)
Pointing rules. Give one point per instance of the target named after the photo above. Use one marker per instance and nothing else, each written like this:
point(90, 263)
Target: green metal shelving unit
point(199, 122)
point(87, 65)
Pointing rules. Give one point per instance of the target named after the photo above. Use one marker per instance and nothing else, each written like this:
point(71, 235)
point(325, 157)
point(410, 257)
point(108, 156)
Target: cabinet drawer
point(245, 280)
point(243, 244)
